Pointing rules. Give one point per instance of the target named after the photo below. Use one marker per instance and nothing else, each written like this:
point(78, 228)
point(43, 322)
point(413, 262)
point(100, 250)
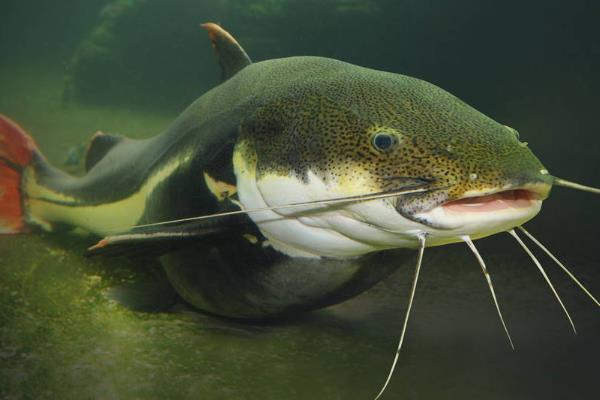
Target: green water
point(61, 338)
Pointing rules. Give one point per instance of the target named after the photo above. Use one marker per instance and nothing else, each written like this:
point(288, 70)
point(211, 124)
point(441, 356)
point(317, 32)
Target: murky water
point(61, 338)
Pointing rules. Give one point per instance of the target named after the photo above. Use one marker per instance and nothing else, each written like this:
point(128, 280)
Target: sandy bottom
point(61, 338)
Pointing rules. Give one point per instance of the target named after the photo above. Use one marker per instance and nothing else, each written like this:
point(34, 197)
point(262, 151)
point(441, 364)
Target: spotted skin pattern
point(326, 125)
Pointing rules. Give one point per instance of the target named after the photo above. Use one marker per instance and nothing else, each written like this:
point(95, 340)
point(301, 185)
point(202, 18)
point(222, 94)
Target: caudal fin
point(16, 152)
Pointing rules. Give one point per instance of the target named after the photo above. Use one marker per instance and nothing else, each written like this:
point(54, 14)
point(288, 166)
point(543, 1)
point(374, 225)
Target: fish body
point(181, 173)
point(282, 132)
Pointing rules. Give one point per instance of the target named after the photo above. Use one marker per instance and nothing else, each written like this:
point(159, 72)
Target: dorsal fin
point(230, 54)
point(99, 145)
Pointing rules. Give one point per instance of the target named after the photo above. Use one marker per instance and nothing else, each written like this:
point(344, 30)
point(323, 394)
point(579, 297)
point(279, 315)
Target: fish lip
point(532, 191)
point(535, 192)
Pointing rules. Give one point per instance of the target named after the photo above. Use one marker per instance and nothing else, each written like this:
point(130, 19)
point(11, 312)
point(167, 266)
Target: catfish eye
point(383, 141)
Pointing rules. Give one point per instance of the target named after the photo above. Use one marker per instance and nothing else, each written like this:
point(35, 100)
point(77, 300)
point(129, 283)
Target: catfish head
point(359, 132)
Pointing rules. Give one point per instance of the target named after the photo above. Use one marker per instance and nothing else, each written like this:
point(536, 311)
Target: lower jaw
point(478, 217)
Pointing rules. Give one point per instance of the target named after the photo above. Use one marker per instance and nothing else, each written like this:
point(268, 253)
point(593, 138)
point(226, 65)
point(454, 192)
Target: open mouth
point(484, 213)
point(514, 198)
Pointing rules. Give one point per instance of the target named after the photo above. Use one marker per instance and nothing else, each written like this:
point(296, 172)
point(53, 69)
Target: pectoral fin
point(158, 240)
point(149, 293)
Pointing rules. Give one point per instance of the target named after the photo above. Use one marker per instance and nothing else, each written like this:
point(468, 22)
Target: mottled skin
point(286, 117)
point(324, 121)
point(308, 113)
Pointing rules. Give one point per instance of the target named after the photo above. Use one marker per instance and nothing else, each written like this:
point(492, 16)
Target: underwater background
point(69, 68)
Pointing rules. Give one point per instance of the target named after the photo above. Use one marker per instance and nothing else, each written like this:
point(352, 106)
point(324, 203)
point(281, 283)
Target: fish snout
point(450, 205)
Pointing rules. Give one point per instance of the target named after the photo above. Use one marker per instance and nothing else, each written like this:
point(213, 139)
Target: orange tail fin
point(16, 152)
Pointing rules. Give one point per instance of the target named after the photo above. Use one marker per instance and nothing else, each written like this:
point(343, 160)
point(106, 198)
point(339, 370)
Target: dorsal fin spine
point(232, 57)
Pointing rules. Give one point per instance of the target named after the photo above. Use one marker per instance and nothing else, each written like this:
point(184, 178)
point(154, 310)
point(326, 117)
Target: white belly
point(327, 230)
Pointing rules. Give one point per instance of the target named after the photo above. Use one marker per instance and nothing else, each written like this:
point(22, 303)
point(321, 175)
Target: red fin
point(16, 150)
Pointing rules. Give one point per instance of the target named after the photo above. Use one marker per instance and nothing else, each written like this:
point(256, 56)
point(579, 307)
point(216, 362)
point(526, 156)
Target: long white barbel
point(337, 200)
point(573, 185)
point(541, 269)
point(407, 315)
point(560, 264)
point(488, 278)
